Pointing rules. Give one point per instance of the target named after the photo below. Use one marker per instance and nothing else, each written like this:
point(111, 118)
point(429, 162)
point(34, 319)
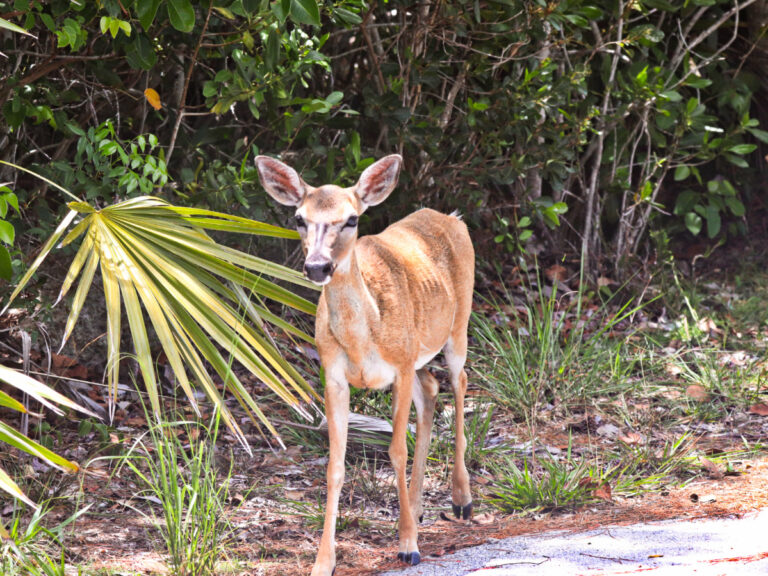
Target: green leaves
point(71, 35)
point(48, 398)
point(271, 63)
point(693, 223)
point(550, 211)
point(761, 135)
point(146, 10)
point(319, 105)
point(181, 14)
point(7, 198)
point(305, 12)
point(300, 11)
point(714, 222)
point(682, 172)
point(140, 54)
point(114, 26)
point(742, 149)
point(272, 49)
point(105, 164)
point(6, 270)
point(7, 232)
point(709, 208)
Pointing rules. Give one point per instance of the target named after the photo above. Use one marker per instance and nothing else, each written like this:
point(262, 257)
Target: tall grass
point(182, 476)
point(542, 352)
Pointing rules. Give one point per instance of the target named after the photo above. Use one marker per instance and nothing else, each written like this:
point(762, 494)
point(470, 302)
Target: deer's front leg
point(337, 413)
point(425, 393)
point(398, 455)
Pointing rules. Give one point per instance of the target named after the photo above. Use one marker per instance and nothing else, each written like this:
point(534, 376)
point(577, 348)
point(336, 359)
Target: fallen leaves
point(631, 438)
point(712, 469)
point(708, 326)
point(68, 367)
point(285, 457)
point(599, 490)
point(135, 421)
point(484, 519)
point(697, 393)
point(761, 409)
point(603, 492)
point(556, 273)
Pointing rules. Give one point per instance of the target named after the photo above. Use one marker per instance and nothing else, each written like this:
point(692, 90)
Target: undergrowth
point(542, 351)
point(176, 465)
point(33, 549)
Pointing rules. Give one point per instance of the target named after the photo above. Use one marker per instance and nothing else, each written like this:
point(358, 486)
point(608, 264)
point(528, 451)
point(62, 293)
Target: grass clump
point(552, 482)
point(540, 484)
point(182, 476)
point(25, 549)
point(541, 351)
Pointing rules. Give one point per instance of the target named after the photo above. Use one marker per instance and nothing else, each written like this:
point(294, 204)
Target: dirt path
point(674, 547)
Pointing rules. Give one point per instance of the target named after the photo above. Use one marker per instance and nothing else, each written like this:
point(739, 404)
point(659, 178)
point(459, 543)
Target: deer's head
point(326, 216)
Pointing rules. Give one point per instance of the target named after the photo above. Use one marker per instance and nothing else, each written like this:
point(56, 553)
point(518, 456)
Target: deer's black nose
point(318, 271)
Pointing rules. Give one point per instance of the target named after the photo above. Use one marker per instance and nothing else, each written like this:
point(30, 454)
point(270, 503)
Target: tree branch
point(192, 64)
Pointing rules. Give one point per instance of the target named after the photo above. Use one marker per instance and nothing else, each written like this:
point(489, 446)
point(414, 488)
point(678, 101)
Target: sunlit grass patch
point(541, 352)
point(551, 482)
point(31, 547)
point(174, 463)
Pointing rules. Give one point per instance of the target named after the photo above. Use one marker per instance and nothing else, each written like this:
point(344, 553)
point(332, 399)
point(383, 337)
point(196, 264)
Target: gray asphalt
point(711, 547)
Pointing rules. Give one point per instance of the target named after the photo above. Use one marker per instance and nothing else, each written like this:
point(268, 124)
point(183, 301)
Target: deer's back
point(420, 272)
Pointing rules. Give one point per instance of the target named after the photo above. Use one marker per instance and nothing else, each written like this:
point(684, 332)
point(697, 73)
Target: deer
point(389, 304)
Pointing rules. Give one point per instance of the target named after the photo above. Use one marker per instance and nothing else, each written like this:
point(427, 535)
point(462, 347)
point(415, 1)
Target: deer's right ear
point(280, 181)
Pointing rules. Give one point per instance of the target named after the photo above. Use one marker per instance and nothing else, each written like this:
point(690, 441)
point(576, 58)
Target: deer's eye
point(299, 221)
point(351, 223)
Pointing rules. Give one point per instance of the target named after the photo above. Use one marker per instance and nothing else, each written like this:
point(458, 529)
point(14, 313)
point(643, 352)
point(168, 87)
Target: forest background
point(594, 129)
point(609, 145)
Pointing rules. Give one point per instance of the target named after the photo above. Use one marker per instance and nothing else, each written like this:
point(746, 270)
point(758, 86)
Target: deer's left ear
point(378, 180)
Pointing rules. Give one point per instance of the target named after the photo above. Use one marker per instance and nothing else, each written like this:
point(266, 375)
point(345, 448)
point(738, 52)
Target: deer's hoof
point(464, 512)
point(411, 558)
point(421, 518)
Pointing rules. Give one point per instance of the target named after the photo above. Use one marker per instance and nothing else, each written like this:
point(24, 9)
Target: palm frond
point(47, 397)
point(158, 264)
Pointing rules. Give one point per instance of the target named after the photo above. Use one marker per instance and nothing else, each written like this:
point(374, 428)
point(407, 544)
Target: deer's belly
point(370, 372)
point(425, 356)
point(374, 373)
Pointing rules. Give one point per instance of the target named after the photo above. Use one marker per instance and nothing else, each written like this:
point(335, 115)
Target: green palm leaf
point(9, 486)
point(159, 266)
point(49, 398)
point(45, 395)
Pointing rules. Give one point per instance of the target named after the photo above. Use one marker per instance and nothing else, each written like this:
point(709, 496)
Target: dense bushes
point(578, 123)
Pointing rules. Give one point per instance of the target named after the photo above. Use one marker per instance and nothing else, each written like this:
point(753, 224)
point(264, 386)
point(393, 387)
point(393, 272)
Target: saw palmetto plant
point(204, 301)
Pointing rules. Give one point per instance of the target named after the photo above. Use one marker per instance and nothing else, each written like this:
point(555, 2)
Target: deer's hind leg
point(455, 352)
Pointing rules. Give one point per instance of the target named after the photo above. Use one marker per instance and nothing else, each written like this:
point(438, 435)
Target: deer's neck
point(351, 308)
